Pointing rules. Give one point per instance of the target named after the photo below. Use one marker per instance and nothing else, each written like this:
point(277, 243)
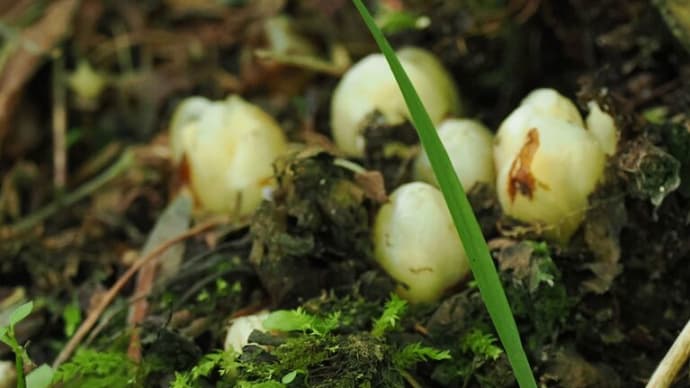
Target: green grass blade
point(465, 222)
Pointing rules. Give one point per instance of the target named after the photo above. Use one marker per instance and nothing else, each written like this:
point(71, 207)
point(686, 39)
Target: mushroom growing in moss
point(228, 148)
point(416, 243)
point(369, 87)
point(548, 162)
point(241, 328)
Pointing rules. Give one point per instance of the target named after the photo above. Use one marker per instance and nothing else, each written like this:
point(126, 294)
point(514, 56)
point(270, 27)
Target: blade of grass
point(466, 224)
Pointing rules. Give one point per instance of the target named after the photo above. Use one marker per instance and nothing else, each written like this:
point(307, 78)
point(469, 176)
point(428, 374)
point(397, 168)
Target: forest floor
point(87, 91)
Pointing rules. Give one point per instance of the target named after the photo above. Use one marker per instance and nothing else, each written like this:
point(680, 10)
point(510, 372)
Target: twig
point(337, 65)
point(59, 122)
point(673, 361)
point(121, 165)
point(410, 379)
point(105, 301)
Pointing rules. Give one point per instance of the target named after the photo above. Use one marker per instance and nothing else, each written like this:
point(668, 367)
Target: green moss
point(538, 297)
point(677, 139)
point(651, 172)
point(89, 368)
point(322, 346)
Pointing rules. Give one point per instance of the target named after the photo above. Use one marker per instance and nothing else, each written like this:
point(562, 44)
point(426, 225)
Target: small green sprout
point(7, 336)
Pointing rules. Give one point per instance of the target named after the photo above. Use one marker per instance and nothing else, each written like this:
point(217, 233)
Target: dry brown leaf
point(602, 229)
point(571, 370)
point(372, 184)
point(40, 37)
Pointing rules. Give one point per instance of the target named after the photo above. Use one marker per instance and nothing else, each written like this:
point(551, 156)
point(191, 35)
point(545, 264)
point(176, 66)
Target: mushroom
point(369, 87)
point(228, 148)
point(416, 243)
point(548, 162)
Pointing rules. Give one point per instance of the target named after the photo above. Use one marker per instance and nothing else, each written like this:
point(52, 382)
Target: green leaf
point(481, 263)
point(299, 320)
point(21, 312)
point(392, 22)
point(206, 365)
point(72, 317)
point(182, 380)
point(290, 377)
point(40, 377)
point(288, 320)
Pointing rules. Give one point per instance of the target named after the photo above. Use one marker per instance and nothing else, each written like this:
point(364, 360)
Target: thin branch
point(59, 122)
point(125, 161)
point(673, 361)
point(108, 298)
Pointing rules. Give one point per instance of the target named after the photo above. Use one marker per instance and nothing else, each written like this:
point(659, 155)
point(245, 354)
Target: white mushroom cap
point(470, 147)
point(229, 147)
point(550, 103)
point(548, 163)
point(369, 86)
point(240, 328)
point(416, 243)
point(603, 127)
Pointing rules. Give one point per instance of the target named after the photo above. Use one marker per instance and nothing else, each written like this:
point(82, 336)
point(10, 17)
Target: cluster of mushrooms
point(544, 162)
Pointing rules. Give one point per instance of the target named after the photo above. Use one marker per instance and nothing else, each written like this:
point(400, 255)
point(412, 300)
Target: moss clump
point(313, 349)
point(651, 172)
point(314, 234)
point(537, 295)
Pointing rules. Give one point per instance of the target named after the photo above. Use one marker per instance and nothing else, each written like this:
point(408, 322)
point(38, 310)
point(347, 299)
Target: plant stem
point(59, 122)
point(19, 367)
point(18, 351)
point(673, 361)
point(121, 165)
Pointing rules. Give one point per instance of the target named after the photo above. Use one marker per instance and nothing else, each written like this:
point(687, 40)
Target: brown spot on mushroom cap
point(520, 178)
point(418, 270)
point(183, 179)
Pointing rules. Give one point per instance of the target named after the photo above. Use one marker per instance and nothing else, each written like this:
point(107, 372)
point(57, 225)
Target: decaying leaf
point(650, 172)
point(314, 234)
point(373, 185)
point(34, 43)
point(603, 225)
point(389, 149)
point(520, 179)
point(570, 370)
point(172, 222)
point(676, 13)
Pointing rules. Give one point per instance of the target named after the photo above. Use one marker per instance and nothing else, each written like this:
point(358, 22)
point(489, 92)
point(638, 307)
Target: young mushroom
point(241, 328)
point(470, 147)
point(548, 162)
point(228, 148)
point(369, 87)
point(416, 243)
